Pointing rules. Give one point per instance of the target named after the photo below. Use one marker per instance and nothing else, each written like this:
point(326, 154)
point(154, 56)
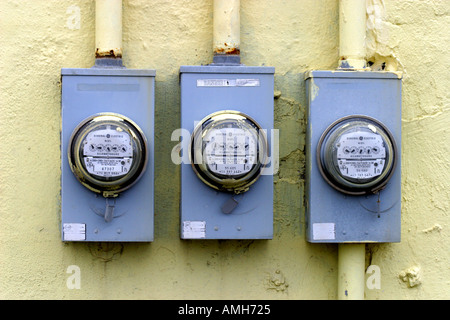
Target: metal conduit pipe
point(352, 34)
point(108, 32)
point(226, 32)
point(351, 266)
point(352, 51)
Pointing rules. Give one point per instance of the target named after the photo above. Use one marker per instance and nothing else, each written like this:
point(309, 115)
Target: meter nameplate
point(230, 151)
point(108, 152)
point(361, 155)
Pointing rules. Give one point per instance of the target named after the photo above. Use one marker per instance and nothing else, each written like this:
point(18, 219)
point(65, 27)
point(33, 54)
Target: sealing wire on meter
point(378, 211)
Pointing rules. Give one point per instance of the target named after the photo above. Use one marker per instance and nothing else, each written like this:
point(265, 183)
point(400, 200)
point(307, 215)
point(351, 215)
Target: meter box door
point(353, 187)
point(107, 154)
point(226, 167)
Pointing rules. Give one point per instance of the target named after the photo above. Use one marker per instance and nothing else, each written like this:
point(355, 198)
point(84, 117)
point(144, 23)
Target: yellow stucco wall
point(39, 37)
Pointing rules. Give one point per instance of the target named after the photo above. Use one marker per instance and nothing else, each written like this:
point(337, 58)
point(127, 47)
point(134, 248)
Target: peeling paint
point(379, 48)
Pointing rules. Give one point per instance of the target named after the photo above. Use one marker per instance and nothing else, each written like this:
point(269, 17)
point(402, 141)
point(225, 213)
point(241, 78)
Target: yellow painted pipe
point(351, 271)
point(352, 34)
point(226, 27)
point(108, 28)
point(352, 53)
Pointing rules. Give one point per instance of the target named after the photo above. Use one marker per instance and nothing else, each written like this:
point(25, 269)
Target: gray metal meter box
point(227, 161)
point(107, 154)
point(353, 149)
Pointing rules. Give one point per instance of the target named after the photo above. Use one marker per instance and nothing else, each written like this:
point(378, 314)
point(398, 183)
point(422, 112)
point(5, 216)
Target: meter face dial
point(228, 150)
point(107, 153)
point(356, 155)
point(361, 155)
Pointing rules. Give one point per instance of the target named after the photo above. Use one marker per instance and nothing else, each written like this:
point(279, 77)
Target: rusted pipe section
point(226, 33)
point(352, 34)
point(108, 29)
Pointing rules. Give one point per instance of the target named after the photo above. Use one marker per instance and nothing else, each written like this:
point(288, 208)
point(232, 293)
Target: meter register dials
point(228, 150)
point(356, 155)
point(107, 153)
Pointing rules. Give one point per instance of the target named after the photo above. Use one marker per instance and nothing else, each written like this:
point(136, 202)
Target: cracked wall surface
point(38, 38)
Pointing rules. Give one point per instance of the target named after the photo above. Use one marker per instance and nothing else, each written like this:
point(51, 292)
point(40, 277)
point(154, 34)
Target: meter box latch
point(107, 154)
point(227, 161)
point(353, 141)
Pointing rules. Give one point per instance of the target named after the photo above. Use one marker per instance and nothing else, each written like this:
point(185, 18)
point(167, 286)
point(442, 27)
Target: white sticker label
point(194, 229)
point(361, 155)
point(247, 82)
point(108, 152)
point(228, 83)
point(230, 151)
point(74, 231)
point(324, 231)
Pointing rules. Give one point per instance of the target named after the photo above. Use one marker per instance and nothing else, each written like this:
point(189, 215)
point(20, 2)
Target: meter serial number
point(112, 169)
point(109, 168)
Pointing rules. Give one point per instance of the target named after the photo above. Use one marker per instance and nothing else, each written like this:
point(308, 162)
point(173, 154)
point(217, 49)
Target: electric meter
point(107, 153)
point(228, 150)
point(357, 155)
